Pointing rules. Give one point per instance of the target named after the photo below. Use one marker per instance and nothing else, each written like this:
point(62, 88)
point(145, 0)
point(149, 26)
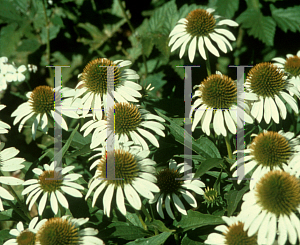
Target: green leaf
point(159, 239)
point(233, 198)
point(156, 81)
point(53, 31)
point(68, 143)
point(147, 45)
point(159, 225)
point(9, 38)
point(179, 70)
point(207, 165)
point(202, 146)
point(164, 19)
point(4, 236)
point(287, 19)
point(8, 11)
point(6, 215)
point(29, 45)
point(226, 8)
point(126, 231)
point(259, 26)
point(195, 219)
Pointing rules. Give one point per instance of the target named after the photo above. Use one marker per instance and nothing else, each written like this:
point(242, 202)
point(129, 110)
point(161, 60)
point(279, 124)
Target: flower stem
point(18, 211)
point(133, 32)
point(23, 207)
point(208, 69)
point(48, 44)
point(141, 220)
point(227, 141)
point(146, 213)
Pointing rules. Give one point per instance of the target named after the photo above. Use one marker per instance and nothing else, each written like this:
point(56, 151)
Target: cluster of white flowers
point(10, 73)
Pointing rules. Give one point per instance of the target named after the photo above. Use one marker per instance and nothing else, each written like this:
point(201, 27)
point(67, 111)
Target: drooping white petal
point(211, 47)
point(192, 49)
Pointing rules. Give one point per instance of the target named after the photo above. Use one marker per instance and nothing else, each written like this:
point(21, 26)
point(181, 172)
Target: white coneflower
point(134, 174)
point(66, 231)
point(25, 236)
point(198, 29)
point(272, 207)
point(127, 122)
point(41, 107)
point(290, 65)
point(232, 234)
point(217, 102)
point(3, 126)
point(9, 163)
point(268, 151)
point(269, 83)
point(172, 189)
point(93, 85)
point(51, 184)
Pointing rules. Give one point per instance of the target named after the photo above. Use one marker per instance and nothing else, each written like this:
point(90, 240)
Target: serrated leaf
point(147, 45)
point(53, 31)
point(227, 8)
point(8, 12)
point(260, 26)
point(186, 8)
point(6, 215)
point(159, 239)
point(4, 236)
point(202, 146)
point(161, 42)
point(164, 19)
point(195, 219)
point(207, 165)
point(126, 231)
point(287, 19)
point(156, 81)
point(29, 45)
point(159, 225)
point(179, 70)
point(233, 198)
point(9, 38)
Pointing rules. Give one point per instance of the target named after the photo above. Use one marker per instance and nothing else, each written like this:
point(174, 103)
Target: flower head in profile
point(232, 234)
point(93, 88)
point(3, 126)
point(134, 177)
point(198, 29)
point(41, 107)
point(217, 101)
point(269, 84)
point(291, 65)
point(172, 189)
point(66, 230)
point(268, 151)
point(9, 163)
point(128, 122)
point(52, 183)
point(25, 236)
point(272, 207)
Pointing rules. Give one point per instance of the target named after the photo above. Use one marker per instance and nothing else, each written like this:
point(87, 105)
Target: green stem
point(23, 206)
point(18, 211)
point(227, 141)
point(141, 219)
point(208, 69)
point(48, 44)
point(133, 32)
point(176, 238)
point(274, 127)
point(146, 213)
